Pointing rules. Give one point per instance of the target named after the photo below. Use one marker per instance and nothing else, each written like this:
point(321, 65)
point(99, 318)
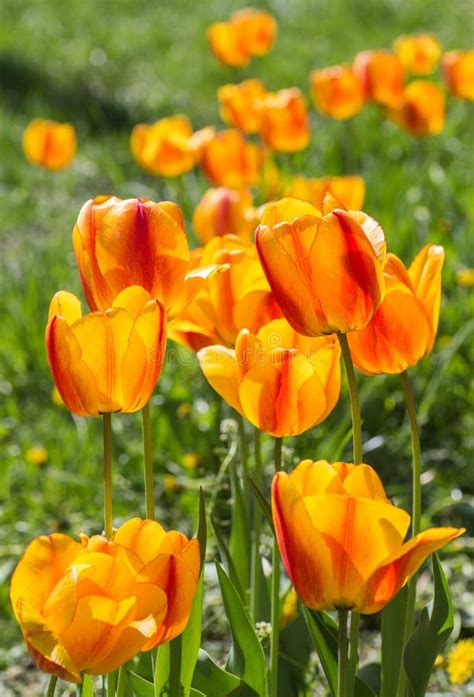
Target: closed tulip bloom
point(419, 54)
point(337, 92)
point(341, 539)
point(106, 361)
point(381, 75)
point(458, 73)
point(324, 271)
point(403, 329)
point(163, 148)
point(283, 383)
point(238, 297)
point(90, 606)
point(237, 104)
point(258, 29)
point(228, 44)
point(284, 120)
point(224, 212)
point(50, 144)
point(421, 111)
point(348, 190)
point(121, 243)
point(229, 160)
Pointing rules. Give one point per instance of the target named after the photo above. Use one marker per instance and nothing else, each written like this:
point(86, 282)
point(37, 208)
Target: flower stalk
point(107, 426)
point(275, 613)
point(148, 460)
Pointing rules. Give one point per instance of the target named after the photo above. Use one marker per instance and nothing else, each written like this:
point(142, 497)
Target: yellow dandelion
point(461, 662)
point(465, 277)
point(183, 410)
point(36, 456)
point(170, 483)
point(290, 608)
point(191, 461)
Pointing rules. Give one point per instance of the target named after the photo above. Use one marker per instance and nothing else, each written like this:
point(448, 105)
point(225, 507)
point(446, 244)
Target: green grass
point(107, 65)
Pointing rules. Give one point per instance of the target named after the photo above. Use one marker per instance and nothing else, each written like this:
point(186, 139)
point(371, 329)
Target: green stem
point(353, 651)
point(354, 396)
point(51, 686)
point(416, 453)
point(108, 475)
point(416, 511)
point(149, 497)
point(244, 458)
point(275, 612)
point(175, 667)
point(122, 678)
point(342, 665)
point(257, 524)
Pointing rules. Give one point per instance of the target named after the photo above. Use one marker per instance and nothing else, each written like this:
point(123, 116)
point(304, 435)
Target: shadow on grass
point(20, 81)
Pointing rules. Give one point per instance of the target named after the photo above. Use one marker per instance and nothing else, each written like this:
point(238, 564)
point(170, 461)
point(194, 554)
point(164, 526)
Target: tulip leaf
point(239, 542)
point(393, 630)
point(140, 686)
point(248, 658)
point(325, 644)
point(370, 675)
point(323, 631)
point(196, 693)
point(295, 649)
point(227, 558)
point(211, 679)
point(430, 634)
point(190, 639)
point(262, 502)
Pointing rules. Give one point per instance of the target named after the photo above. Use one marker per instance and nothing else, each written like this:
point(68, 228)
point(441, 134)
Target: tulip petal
point(74, 379)
point(220, 368)
point(346, 524)
point(47, 651)
point(304, 552)
point(66, 305)
point(387, 580)
point(142, 537)
point(43, 564)
point(425, 272)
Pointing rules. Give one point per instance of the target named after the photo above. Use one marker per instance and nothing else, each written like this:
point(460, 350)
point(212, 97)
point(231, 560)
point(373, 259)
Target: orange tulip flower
point(325, 271)
point(421, 111)
point(224, 212)
point(237, 298)
point(419, 54)
point(248, 33)
point(349, 191)
point(257, 28)
point(341, 539)
point(337, 91)
point(50, 144)
point(403, 329)
point(163, 148)
point(283, 383)
point(106, 361)
point(90, 606)
point(382, 76)
point(284, 120)
point(228, 160)
point(238, 104)
point(120, 243)
point(228, 45)
point(458, 72)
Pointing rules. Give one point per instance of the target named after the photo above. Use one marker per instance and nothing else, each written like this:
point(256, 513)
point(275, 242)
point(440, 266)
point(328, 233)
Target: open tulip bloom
point(282, 382)
point(106, 361)
point(90, 606)
point(342, 540)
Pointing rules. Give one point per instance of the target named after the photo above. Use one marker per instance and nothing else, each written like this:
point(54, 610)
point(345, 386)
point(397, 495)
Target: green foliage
point(393, 630)
point(430, 635)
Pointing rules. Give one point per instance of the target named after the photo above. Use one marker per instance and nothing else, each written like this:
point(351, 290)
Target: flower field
point(237, 262)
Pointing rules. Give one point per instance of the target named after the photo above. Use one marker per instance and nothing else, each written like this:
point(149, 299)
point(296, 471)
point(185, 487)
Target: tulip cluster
point(292, 276)
point(378, 76)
